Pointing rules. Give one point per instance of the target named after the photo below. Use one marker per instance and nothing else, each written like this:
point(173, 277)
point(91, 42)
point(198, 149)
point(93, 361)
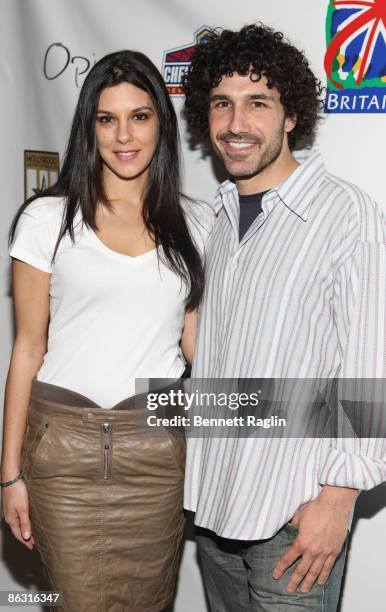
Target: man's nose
point(237, 121)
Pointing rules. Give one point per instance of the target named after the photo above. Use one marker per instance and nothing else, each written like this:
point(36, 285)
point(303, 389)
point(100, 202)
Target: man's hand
point(323, 525)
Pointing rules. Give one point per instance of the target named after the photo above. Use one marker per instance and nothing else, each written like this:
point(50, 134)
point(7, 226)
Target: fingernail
point(275, 575)
point(26, 535)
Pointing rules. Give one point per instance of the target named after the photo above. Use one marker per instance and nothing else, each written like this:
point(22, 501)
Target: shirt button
point(226, 312)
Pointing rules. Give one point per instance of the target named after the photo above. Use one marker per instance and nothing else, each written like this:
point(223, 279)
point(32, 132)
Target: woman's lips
point(126, 155)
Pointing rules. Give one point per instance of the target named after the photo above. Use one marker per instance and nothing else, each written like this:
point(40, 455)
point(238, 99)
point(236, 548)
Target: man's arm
point(356, 462)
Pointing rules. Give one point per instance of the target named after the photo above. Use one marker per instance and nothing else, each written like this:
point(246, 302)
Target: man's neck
point(269, 177)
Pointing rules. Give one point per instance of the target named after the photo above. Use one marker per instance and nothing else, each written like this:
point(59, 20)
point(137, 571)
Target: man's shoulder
point(200, 219)
point(357, 206)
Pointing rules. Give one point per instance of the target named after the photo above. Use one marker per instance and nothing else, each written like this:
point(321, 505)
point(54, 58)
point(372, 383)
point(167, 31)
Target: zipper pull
point(106, 449)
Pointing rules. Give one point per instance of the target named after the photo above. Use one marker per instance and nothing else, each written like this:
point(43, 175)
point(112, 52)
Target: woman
point(106, 276)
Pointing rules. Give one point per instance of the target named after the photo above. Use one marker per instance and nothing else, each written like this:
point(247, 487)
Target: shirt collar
point(296, 192)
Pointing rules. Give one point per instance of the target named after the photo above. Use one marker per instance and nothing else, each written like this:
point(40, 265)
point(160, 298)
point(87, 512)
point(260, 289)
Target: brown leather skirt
point(105, 497)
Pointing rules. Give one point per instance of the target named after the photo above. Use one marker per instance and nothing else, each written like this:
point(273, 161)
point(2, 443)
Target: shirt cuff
point(342, 469)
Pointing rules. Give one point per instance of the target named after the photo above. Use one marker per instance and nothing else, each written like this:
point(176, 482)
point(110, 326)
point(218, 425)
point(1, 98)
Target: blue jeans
point(238, 576)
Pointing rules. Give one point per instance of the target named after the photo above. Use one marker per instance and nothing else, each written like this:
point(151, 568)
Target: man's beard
point(268, 157)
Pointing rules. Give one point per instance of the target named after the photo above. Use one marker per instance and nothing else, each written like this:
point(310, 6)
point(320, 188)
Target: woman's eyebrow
point(134, 110)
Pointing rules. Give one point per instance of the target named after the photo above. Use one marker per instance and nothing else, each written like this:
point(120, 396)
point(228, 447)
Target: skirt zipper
point(106, 449)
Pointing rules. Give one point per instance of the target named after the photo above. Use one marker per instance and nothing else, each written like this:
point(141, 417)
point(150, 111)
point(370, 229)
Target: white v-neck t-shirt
point(113, 318)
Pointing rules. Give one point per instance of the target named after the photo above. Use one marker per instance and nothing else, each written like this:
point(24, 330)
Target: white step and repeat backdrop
point(47, 48)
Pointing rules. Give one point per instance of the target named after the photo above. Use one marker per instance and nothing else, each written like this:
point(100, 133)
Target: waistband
point(47, 399)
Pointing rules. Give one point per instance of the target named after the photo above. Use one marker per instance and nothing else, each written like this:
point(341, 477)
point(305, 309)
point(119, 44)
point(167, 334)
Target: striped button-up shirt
point(302, 295)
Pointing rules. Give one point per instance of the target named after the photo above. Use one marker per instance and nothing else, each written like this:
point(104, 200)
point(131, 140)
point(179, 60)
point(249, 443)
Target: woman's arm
point(188, 338)
point(31, 304)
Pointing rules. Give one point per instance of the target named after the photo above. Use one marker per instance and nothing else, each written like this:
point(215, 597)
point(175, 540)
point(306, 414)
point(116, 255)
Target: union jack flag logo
point(355, 59)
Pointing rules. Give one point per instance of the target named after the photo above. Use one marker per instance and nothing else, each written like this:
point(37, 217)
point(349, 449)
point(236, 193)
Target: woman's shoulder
point(36, 232)
point(200, 217)
point(47, 209)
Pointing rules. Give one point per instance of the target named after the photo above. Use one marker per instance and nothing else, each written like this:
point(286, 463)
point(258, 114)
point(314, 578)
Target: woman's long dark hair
point(80, 180)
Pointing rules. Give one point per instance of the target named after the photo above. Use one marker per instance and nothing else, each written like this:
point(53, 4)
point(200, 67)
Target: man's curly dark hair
point(261, 50)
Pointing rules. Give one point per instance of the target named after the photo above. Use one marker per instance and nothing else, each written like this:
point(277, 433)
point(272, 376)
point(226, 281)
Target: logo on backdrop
point(59, 60)
point(176, 62)
point(355, 60)
point(41, 170)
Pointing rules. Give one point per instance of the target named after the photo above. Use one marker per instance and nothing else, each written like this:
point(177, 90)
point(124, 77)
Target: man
point(296, 288)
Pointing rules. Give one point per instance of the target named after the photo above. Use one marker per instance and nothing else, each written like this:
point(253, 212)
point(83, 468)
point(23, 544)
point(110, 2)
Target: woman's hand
point(16, 512)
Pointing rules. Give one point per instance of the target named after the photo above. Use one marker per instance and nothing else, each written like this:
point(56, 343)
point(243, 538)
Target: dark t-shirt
point(250, 207)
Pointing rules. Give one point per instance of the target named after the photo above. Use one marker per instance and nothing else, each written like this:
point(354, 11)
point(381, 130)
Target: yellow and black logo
point(41, 170)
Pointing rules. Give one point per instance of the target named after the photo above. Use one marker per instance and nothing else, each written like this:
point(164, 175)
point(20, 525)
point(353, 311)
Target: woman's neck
point(121, 192)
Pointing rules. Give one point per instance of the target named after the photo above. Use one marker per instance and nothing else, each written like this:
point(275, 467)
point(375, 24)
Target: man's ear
point(290, 122)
